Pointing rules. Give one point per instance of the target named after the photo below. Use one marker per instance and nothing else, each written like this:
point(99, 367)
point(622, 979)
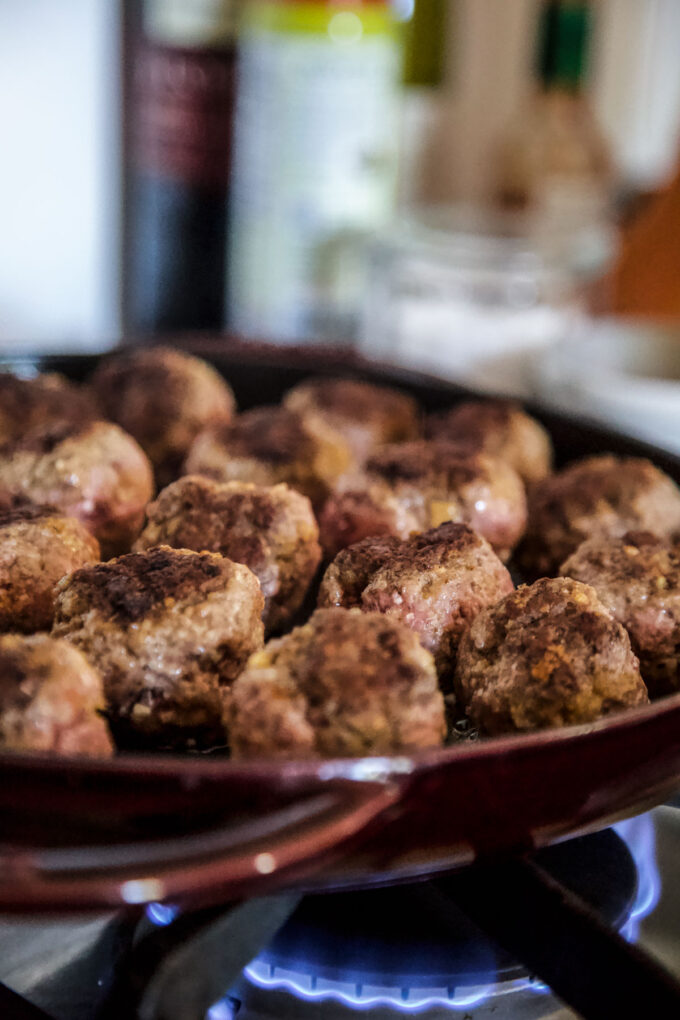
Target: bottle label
point(314, 162)
point(183, 89)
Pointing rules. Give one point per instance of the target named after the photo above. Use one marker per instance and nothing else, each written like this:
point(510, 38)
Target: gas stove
point(384, 954)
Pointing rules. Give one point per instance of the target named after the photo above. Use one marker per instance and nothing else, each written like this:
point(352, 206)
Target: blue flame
point(225, 1009)
point(364, 996)
point(638, 834)
point(161, 914)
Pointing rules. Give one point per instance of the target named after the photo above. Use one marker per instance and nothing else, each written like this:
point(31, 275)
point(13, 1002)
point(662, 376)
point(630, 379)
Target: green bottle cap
point(425, 43)
point(563, 36)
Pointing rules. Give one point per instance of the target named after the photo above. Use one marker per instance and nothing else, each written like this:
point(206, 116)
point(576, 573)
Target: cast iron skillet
point(81, 834)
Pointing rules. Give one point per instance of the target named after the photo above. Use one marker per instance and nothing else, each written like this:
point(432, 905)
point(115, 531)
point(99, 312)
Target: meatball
point(169, 630)
point(435, 583)
point(270, 529)
point(597, 497)
point(500, 428)
point(549, 654)
point(163, 398)
point(51, 698)
point(352, 569)
point(411, 487)
point(269, 445)
point(367, 415)
point(637, 577)
point(44, 402)
point(38, 546)
point(94, 472)
point(347, 683)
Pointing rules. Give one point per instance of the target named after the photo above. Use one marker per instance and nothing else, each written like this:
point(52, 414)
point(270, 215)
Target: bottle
point(315, 163)
point(179, 90)
point(425, 118)
point(554, 160)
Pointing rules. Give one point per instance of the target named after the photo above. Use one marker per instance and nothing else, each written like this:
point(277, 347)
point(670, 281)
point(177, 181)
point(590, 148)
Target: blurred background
point(486, 190)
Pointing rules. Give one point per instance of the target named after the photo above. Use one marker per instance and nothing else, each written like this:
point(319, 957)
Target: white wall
point(637, 85)
point(58, 171)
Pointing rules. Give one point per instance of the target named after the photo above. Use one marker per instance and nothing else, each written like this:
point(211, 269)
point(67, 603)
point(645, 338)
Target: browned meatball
point(270, 529)
point(598, 496)
point(637, 577)
point(94, 472)
point(435, 583)
point(549, 654)
point(367, 415)
point(169, 630)
point(411, 487)
point(269, 445)
point(51, 698)
point(500, 428)
point(163, 398)
point(44, 402)
point(38, 546)
point(352, 569)
point(347, 683)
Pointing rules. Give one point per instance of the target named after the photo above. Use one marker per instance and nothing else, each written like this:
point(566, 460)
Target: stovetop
point(320, 965)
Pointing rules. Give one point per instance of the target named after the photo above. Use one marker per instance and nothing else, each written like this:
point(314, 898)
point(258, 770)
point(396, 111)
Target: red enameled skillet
point(81, 834)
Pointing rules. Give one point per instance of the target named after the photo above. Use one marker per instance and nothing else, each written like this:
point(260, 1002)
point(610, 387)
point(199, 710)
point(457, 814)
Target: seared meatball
point(500, 428)
point(411, 487)
point(51, 698)
point(549, 654)
point(270, 529)
point(352, 569)
point(38, 546)
point(347, 683)
point(47, 401)
point(596, 497)
point(163, 398)
point(269, 445)
point(367, 415)
point(169, 630)
point(435, 583)
point(637, 577)
point(94, 472)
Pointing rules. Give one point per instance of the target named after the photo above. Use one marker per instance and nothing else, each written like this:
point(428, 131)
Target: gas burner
point(411, 949)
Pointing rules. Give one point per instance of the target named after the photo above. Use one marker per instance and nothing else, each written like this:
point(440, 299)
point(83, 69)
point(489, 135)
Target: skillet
point(195, 830)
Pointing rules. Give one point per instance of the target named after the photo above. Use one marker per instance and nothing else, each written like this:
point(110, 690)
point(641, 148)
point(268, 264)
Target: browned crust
point(600, 495)
point(345, 683)
point(38, 404)
point(472, 420)
point(271, 529)
point(637, 577)
point(272, 434)
point(51, 698)
point(129, 588)
point(44, 439)
point(549, 654)
point(163, 397)
point(26, 513)
point(366, 414)
point(351, 570)
point(37, 548)
point(427, 460)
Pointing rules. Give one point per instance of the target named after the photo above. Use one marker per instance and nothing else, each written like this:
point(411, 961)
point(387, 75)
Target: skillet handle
point(225, 862)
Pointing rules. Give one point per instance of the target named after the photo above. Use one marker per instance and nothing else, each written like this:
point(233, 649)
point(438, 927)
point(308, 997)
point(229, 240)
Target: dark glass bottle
point(178, 98)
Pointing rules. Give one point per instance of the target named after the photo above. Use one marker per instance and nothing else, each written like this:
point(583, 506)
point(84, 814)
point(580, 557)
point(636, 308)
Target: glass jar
point(475, 294)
